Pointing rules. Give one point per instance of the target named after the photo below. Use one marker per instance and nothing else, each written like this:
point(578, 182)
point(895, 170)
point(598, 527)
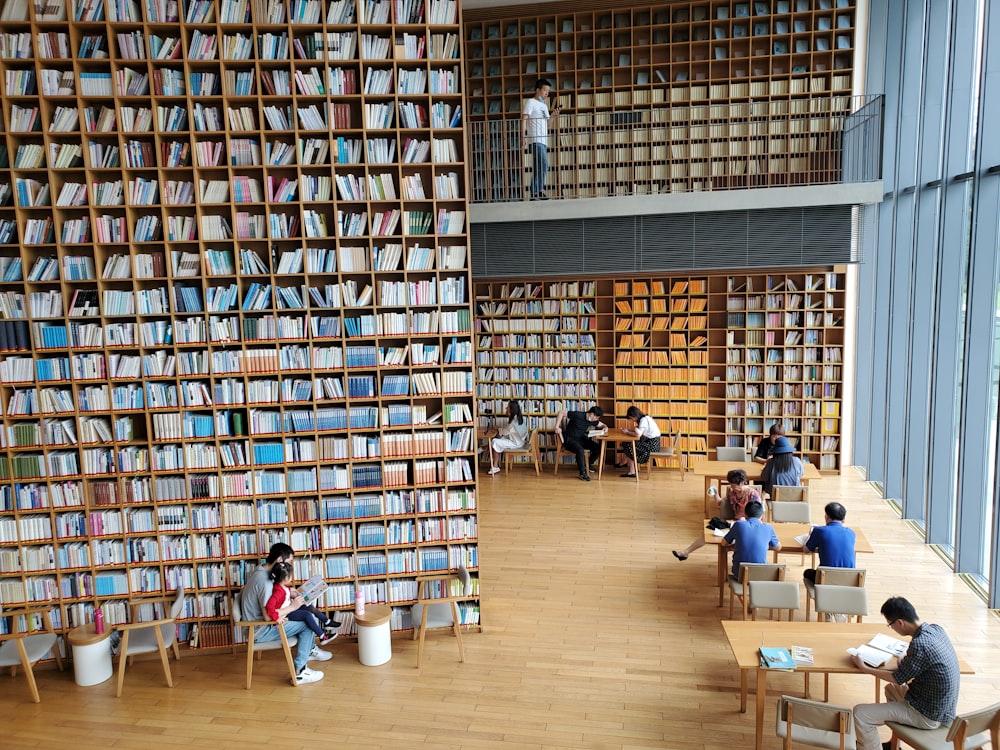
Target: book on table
point(802, 655)
point(313, 589)
point(776, 658)
point(879, 650)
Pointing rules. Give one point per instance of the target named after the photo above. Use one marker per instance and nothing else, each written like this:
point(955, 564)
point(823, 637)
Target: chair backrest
point(761, 572)
point(840, 576)
point(814, 723)
point(783, 512)
point(785, 494)
point(533, 442)
point(774, 595)
point(841, 600)
point(466, 579)
point(731, 454)
point(238, 607)
point(966, 726)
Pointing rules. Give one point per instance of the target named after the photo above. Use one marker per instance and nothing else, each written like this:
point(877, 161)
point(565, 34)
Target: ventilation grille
point(812, 235)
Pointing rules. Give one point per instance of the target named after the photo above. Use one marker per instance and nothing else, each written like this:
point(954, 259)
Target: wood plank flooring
point(595, 637)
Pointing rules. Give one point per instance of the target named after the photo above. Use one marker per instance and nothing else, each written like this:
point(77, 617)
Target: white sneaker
point(494, 470)
point(318, 654)
point(308, 675)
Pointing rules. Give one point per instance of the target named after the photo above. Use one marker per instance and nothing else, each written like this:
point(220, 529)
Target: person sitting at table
point(751, 538)
point(922, 691)
point(513, 436)
point(648, 433)
point(834, 541)
point(739, 495)
point(766, 444)
point(574, 428)
point(782, 468)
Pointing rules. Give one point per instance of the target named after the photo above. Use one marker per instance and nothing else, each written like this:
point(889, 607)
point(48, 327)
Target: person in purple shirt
point(751, 538)
point(834, 541)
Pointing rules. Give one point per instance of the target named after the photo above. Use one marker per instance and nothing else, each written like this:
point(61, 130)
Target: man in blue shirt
point(922, 691)
point(834, 541)
point(752, 538)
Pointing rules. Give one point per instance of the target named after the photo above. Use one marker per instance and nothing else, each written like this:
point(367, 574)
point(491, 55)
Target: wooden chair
point(751, 572)
point(773, 595)
point(833, 577)
point(24, 647)
point(560, 452)
point(787, 494)
point(813, 723)
point(731, 454)
point(531, 450)
point(671, 452)
point(437, 606)
point(150, 636)
point(974, 729)
point(284, 642)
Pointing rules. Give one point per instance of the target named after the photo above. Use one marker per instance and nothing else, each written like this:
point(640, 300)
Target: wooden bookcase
point(668, 97)
point(236, 302)
point(718, 356)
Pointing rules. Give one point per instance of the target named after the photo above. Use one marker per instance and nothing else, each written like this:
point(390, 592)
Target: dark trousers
point(311, 616)
point(809, 575)
point(579, 447)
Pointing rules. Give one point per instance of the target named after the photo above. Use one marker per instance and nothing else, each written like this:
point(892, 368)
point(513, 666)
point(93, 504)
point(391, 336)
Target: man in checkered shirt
point(922, 691)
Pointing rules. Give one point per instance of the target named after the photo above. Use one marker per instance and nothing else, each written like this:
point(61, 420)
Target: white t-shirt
point(648, 428)
point(537, 127)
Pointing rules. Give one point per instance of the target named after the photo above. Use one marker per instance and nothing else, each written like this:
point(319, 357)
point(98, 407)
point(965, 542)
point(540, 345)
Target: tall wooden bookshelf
point(718, 357)
point(667, 97)
point(235, 302)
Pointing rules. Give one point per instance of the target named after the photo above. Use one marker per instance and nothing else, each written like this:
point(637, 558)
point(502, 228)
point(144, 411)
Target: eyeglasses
point(890, 624)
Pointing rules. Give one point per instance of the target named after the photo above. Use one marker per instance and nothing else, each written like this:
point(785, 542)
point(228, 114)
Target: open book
point(313, 589)
point(879, 650)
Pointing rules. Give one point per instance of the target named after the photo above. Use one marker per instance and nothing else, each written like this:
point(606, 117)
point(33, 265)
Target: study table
point(717, 470)
point(786, 533)
point(828, 640)
point(614, 435)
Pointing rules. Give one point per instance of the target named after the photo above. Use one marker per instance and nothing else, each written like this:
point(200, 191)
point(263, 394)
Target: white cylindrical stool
point(91, 655)
point(374, 638)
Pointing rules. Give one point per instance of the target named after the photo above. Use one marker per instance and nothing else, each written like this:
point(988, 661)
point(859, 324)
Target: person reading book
point(751, 538)
point(739, 494)
point(922, 691)
point(255, 595)
point(648, 434)
point(575, 428)
point(280, 610)
point(764, 447)
point(834, 541)
point(782, 468)
point(513, 436)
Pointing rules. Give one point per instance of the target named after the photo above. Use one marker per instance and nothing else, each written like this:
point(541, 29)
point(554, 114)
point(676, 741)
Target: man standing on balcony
point(535, 131)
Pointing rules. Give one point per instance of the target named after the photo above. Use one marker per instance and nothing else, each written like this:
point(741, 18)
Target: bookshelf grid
point(719, 357)
point(234, 302)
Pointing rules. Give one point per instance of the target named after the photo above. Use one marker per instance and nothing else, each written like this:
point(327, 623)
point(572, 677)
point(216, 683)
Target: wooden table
point(91, 654)
point(486, 434)
point(717, 471)
point(611, 436)
point(786, 533)
point(828, 640)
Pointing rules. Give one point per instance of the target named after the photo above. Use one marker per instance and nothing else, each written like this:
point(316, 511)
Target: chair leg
point(288, 656)
point(423, 631)
point(249, 655)
point(506, 463)
point(457, 627)
point(538, 460)
point(29, 675)
point(122, 658)
point(164, 657)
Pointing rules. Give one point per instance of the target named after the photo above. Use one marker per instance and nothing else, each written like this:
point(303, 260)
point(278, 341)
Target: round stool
point(374, 637)
point(91, 654)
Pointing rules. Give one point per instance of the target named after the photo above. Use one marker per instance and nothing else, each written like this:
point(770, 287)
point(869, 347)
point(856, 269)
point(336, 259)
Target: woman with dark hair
point(513, 436)
point(783, 468)
point(648, 433)
point(739, 495)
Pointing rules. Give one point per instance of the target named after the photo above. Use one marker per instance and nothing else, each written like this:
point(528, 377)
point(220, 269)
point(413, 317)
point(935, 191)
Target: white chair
point(813, 723)
point(966, 731)
point(751, 572)
point(437, 606)
point(833, 577)
point(150, 636)
point(782, 512)
point(779, 595)
point(284, 642)
point(731, 454)
point(23, 647)
point(788, 494)
point(530, 450)
point(851, 601)
point(669, 453)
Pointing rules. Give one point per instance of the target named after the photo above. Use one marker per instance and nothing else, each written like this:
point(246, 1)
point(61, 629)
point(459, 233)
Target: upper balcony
point(684, 157)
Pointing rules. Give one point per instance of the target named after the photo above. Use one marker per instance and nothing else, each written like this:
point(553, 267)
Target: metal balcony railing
point(677, 149)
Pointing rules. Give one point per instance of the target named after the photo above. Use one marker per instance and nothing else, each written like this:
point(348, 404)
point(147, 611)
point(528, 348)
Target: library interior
point(294, 272)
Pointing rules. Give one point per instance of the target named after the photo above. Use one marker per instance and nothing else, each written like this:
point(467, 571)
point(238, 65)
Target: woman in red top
point(738, 495)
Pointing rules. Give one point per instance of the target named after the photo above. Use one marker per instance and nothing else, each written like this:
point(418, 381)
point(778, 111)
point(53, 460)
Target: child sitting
point(312, 617)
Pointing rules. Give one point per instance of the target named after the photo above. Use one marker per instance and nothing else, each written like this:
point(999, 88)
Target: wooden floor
point(595, 637)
